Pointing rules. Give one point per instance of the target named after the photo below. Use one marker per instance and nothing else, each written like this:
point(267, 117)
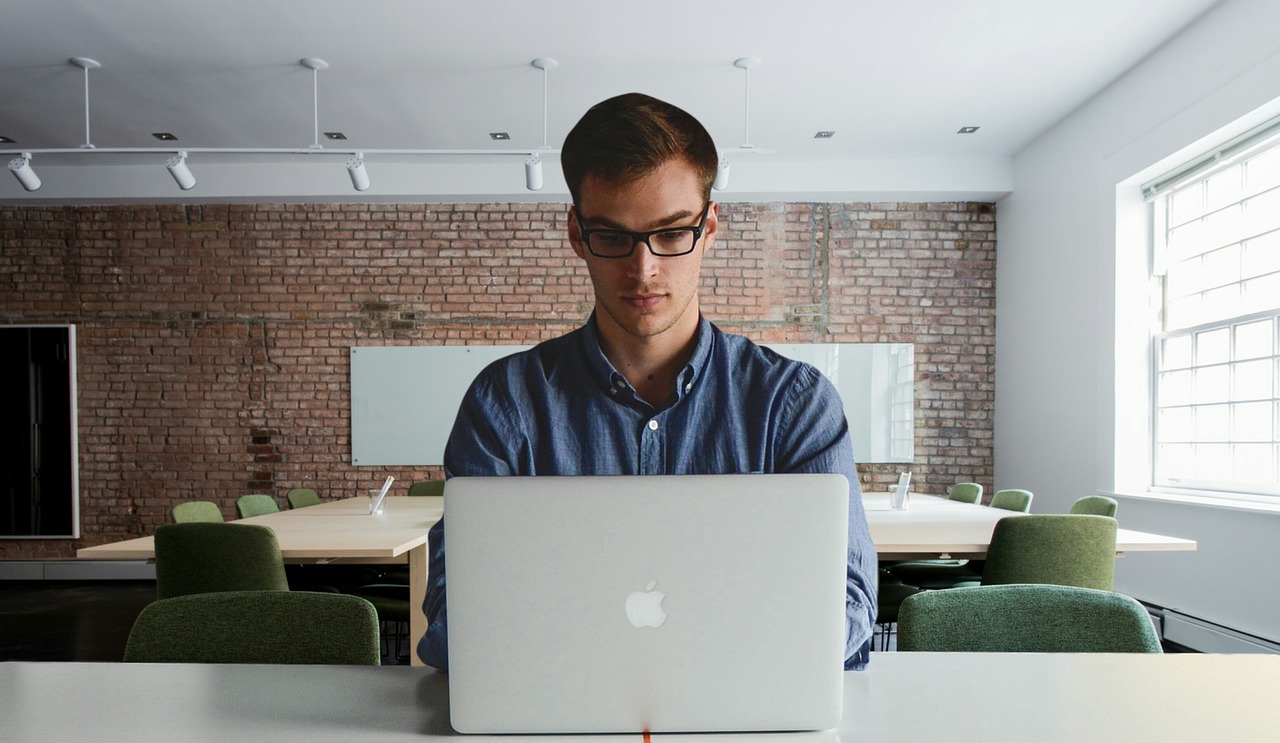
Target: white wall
point(1061, 273)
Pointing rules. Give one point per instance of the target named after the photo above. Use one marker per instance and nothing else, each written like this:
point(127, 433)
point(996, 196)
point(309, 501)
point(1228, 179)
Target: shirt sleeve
point(813, 436)
point(475, 448)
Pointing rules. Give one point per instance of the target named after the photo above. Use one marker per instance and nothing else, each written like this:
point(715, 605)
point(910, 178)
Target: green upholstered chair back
point(968, 492)
point(427, 487)
point(196, 510)
point(256, 627)
point(302, 497)
point(256, 505)
point(1024, 619)
point(205, 557)
point(1061, 549)
point(1012, 499)
point(1098, 505)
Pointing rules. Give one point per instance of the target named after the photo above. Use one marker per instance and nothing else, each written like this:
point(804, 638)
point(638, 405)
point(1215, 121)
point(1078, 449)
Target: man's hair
point(629, 136)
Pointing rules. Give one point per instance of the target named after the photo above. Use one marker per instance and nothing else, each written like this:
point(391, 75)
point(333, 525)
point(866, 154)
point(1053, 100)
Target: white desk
point(939, 527)
point(337, 531)
point(909, 697)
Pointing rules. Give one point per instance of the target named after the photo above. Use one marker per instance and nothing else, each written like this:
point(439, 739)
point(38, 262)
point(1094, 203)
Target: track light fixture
point(533, 173)
point(722, 175)
point(21, 169)
point(181, 173)
point(359, 176)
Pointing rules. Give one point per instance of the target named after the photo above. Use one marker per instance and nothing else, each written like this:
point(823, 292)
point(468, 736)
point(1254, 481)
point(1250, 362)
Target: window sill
point(1262, 504)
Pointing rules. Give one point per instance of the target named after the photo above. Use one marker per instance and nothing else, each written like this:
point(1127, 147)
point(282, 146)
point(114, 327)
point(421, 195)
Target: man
point(648, 386)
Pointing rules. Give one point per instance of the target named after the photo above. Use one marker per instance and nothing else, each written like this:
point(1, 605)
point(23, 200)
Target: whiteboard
point(404, 399)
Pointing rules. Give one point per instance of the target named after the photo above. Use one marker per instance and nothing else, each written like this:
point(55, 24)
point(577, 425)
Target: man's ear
point(712, 226)
point(575, 236)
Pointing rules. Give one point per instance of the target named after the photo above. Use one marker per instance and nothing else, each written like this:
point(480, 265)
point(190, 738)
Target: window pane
point(1260, 213)
point(1222, 266)
point(1213, 462)
point(1176, 461)
point(1224, 227)
point(1213, 346)
point(1261, 293)
point(1183, 312)
point(1263, 171)
point(1212, 384)
point(1251, 421)
point(1175, 425)
point(1213, 423)
point(1253, 380)
point(1186, 241)
point(1224, 188)
point(1261, 254)
point(1252, 340)
point(1177, 352)
point(1175, 388)
point(1255, 463)
point(1187, 204)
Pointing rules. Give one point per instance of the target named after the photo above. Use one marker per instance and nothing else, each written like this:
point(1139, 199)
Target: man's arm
point(814, 437)
point(475, 448)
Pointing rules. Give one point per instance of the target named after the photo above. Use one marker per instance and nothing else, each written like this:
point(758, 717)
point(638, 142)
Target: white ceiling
point(894, 80)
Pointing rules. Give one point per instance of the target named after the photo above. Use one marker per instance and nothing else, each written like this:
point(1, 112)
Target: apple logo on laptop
point(644, 608)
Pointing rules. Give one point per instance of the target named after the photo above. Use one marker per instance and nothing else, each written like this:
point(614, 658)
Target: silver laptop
point(685, 603)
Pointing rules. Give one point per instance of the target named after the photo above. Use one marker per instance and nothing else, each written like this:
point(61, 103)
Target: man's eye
point(612, 239)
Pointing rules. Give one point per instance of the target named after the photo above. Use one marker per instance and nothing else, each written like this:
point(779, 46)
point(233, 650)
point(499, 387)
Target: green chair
point(1061, 549)
point(206, 557)
point(302, 497)
point(889, 598)
point(966, 492)
point(196, 510)
point(1025, 619)
point(1098, 505)
point(427, 487)
point(1012, 500)
point(942, 573)
point(256, 627)
point(391, 601)
point(256, 505)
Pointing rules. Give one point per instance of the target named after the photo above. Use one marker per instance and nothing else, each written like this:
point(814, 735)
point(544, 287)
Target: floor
point(79, 620)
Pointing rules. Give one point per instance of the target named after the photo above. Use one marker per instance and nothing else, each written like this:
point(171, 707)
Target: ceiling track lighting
point(20, 165)
point(181, 173)
point(21, 169)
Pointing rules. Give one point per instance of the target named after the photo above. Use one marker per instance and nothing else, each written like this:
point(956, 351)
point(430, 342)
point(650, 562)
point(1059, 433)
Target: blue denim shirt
point(561, 408)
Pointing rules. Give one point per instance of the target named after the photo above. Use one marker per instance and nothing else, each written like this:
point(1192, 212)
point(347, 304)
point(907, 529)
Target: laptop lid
point(694, 603)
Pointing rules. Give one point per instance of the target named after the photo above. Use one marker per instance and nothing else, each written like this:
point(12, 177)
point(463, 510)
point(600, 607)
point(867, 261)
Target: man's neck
point(651, 364)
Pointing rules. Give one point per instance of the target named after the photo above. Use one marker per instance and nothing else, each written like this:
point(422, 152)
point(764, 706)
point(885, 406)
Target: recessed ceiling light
point(335, 135)
point(6, 140)
point(967, 130)
point(499, 135)
point(825, 134)
point(165, 136)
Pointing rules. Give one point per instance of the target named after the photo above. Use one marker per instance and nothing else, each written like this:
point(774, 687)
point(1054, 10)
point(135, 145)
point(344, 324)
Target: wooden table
point(989, 698)
point(942, 528)
point(337, 531)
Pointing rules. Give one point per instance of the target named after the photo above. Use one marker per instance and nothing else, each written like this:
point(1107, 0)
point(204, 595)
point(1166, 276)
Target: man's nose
point(642, 261)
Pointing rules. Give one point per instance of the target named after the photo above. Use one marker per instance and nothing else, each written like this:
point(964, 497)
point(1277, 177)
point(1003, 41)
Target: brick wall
point(213, 340)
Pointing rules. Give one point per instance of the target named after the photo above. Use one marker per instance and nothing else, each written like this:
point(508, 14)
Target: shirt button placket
point(651, 449)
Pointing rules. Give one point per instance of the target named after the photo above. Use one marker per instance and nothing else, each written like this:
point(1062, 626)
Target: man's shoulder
point(746, 353)
point(542, 360)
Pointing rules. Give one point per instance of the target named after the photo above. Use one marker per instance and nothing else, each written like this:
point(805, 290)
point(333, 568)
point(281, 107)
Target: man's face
point(645, 296)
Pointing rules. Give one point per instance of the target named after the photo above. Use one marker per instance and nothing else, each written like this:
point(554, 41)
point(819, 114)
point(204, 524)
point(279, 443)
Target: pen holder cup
point(373, 500)
point(898, 500)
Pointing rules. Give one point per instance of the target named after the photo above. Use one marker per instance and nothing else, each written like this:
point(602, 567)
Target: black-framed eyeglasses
point(667, 242)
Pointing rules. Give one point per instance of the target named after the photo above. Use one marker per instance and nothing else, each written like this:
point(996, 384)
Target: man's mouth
point(642, 301)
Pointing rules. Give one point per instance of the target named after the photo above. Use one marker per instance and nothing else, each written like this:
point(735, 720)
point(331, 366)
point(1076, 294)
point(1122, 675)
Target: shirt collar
point(612, 381)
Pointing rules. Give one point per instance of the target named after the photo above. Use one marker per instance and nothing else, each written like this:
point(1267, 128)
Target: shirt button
point(613, 391)
point(653, 425)
point(688, 387)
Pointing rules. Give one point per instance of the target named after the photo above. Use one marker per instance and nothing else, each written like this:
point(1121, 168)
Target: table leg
point(417, 597)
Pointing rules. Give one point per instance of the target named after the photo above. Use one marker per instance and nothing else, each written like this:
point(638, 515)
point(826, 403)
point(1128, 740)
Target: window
point(1216, 341)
